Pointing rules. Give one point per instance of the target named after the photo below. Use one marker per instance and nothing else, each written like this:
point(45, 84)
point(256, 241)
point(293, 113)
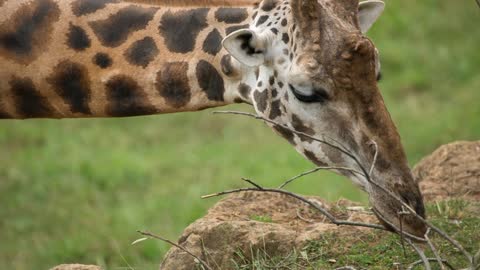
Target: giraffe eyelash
point(318, 95)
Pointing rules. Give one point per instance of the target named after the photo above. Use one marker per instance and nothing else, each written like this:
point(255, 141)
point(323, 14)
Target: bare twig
point(252, 183)
point(420, 253)
point(412, 265)
point(151, 235)
point(402, 242)
point(478, 3)
point(305, 200)
point(316, 170)
point(476, 261)
point(434, 250)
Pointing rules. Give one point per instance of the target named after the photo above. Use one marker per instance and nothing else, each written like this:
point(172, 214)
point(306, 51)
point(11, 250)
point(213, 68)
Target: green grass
point(378, 251)
point(77, 190)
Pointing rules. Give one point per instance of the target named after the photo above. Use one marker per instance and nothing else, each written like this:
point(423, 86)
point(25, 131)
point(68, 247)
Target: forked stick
point(324, 212)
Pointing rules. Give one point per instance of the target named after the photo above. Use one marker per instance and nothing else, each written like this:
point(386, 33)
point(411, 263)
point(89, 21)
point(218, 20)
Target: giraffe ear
point(246, 46)
point(368, 12)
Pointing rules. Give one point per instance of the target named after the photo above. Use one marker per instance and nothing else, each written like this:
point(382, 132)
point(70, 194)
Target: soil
point(452, 171)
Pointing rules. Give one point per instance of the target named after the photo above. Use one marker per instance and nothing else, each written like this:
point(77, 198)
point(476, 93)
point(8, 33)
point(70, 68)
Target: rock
point(76, 267)
point(452, 171)
point(246, 222)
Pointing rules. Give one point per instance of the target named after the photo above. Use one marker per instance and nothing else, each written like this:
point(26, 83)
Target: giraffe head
point(310, 67)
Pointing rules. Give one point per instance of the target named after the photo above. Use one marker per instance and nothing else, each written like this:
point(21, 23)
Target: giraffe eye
point(319, 95)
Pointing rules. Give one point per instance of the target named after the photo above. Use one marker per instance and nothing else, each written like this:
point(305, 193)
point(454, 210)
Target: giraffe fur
point(304, 64)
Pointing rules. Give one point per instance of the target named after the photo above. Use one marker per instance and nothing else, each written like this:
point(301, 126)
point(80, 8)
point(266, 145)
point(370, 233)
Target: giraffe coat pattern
point(305, 64)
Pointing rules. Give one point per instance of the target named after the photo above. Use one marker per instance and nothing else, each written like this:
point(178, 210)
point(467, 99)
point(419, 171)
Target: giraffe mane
point(181, 3)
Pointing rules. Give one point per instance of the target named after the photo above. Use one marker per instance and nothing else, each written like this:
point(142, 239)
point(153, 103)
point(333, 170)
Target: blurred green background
point(77, 190)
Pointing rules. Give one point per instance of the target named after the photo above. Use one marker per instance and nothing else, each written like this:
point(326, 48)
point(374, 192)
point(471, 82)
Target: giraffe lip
point(392, 227)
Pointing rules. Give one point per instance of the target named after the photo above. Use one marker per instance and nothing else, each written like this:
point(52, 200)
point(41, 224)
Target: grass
point(77, 190)
point(377, 251)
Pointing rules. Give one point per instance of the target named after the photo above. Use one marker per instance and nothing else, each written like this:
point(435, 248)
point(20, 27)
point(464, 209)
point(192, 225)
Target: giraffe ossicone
point(305, 64)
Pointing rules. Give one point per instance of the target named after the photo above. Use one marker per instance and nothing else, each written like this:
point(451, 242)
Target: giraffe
point(305, 64)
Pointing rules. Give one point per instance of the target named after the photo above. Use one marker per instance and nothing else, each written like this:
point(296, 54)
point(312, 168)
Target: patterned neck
point(106, 58)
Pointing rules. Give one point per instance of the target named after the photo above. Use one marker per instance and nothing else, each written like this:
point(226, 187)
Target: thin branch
point(476, 260)
point(314, 170)
point(412, 265)
point(434, 250)
point(478, 3)
point(305, 200)
point(252, 183)
point(420, 253)
point(339, 148)
point(151, 235)
point(402, 242)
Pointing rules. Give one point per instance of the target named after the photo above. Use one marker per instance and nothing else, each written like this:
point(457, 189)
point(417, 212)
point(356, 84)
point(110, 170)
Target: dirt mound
point(76, 267)
point(452, 171)
point(246, 222)
point(276, 224)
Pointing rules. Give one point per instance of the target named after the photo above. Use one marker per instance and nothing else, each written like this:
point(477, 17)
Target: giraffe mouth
point(389, 225)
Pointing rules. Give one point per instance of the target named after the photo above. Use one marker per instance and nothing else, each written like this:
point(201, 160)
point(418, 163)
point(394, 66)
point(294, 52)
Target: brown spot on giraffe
point(71, 82)
point(244, 90)
point(285, 133)
point(142, 52)
point(172, 84)
point(213, 43)
point(261, 98)
point(180, 29)
point(262, 20)
point(84, 7)
point(299, 126)
point(275, 110)
point(102, 60)
point(112, 32)
point(231, 15)
point(285, 38)
point(210, 81)
point(232, 29)
point(127, 98)
point(268, 5)
point(77, 38)
point(29, 103)
point(24, 36)
point(311, 156)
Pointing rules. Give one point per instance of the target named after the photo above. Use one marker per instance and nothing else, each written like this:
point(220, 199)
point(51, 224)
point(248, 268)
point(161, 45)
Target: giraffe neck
point(109, 58)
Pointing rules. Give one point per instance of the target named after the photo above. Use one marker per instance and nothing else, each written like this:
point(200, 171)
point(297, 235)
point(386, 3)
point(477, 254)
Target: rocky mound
point(451, 171)
point(246, 222)
point(276, 224)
